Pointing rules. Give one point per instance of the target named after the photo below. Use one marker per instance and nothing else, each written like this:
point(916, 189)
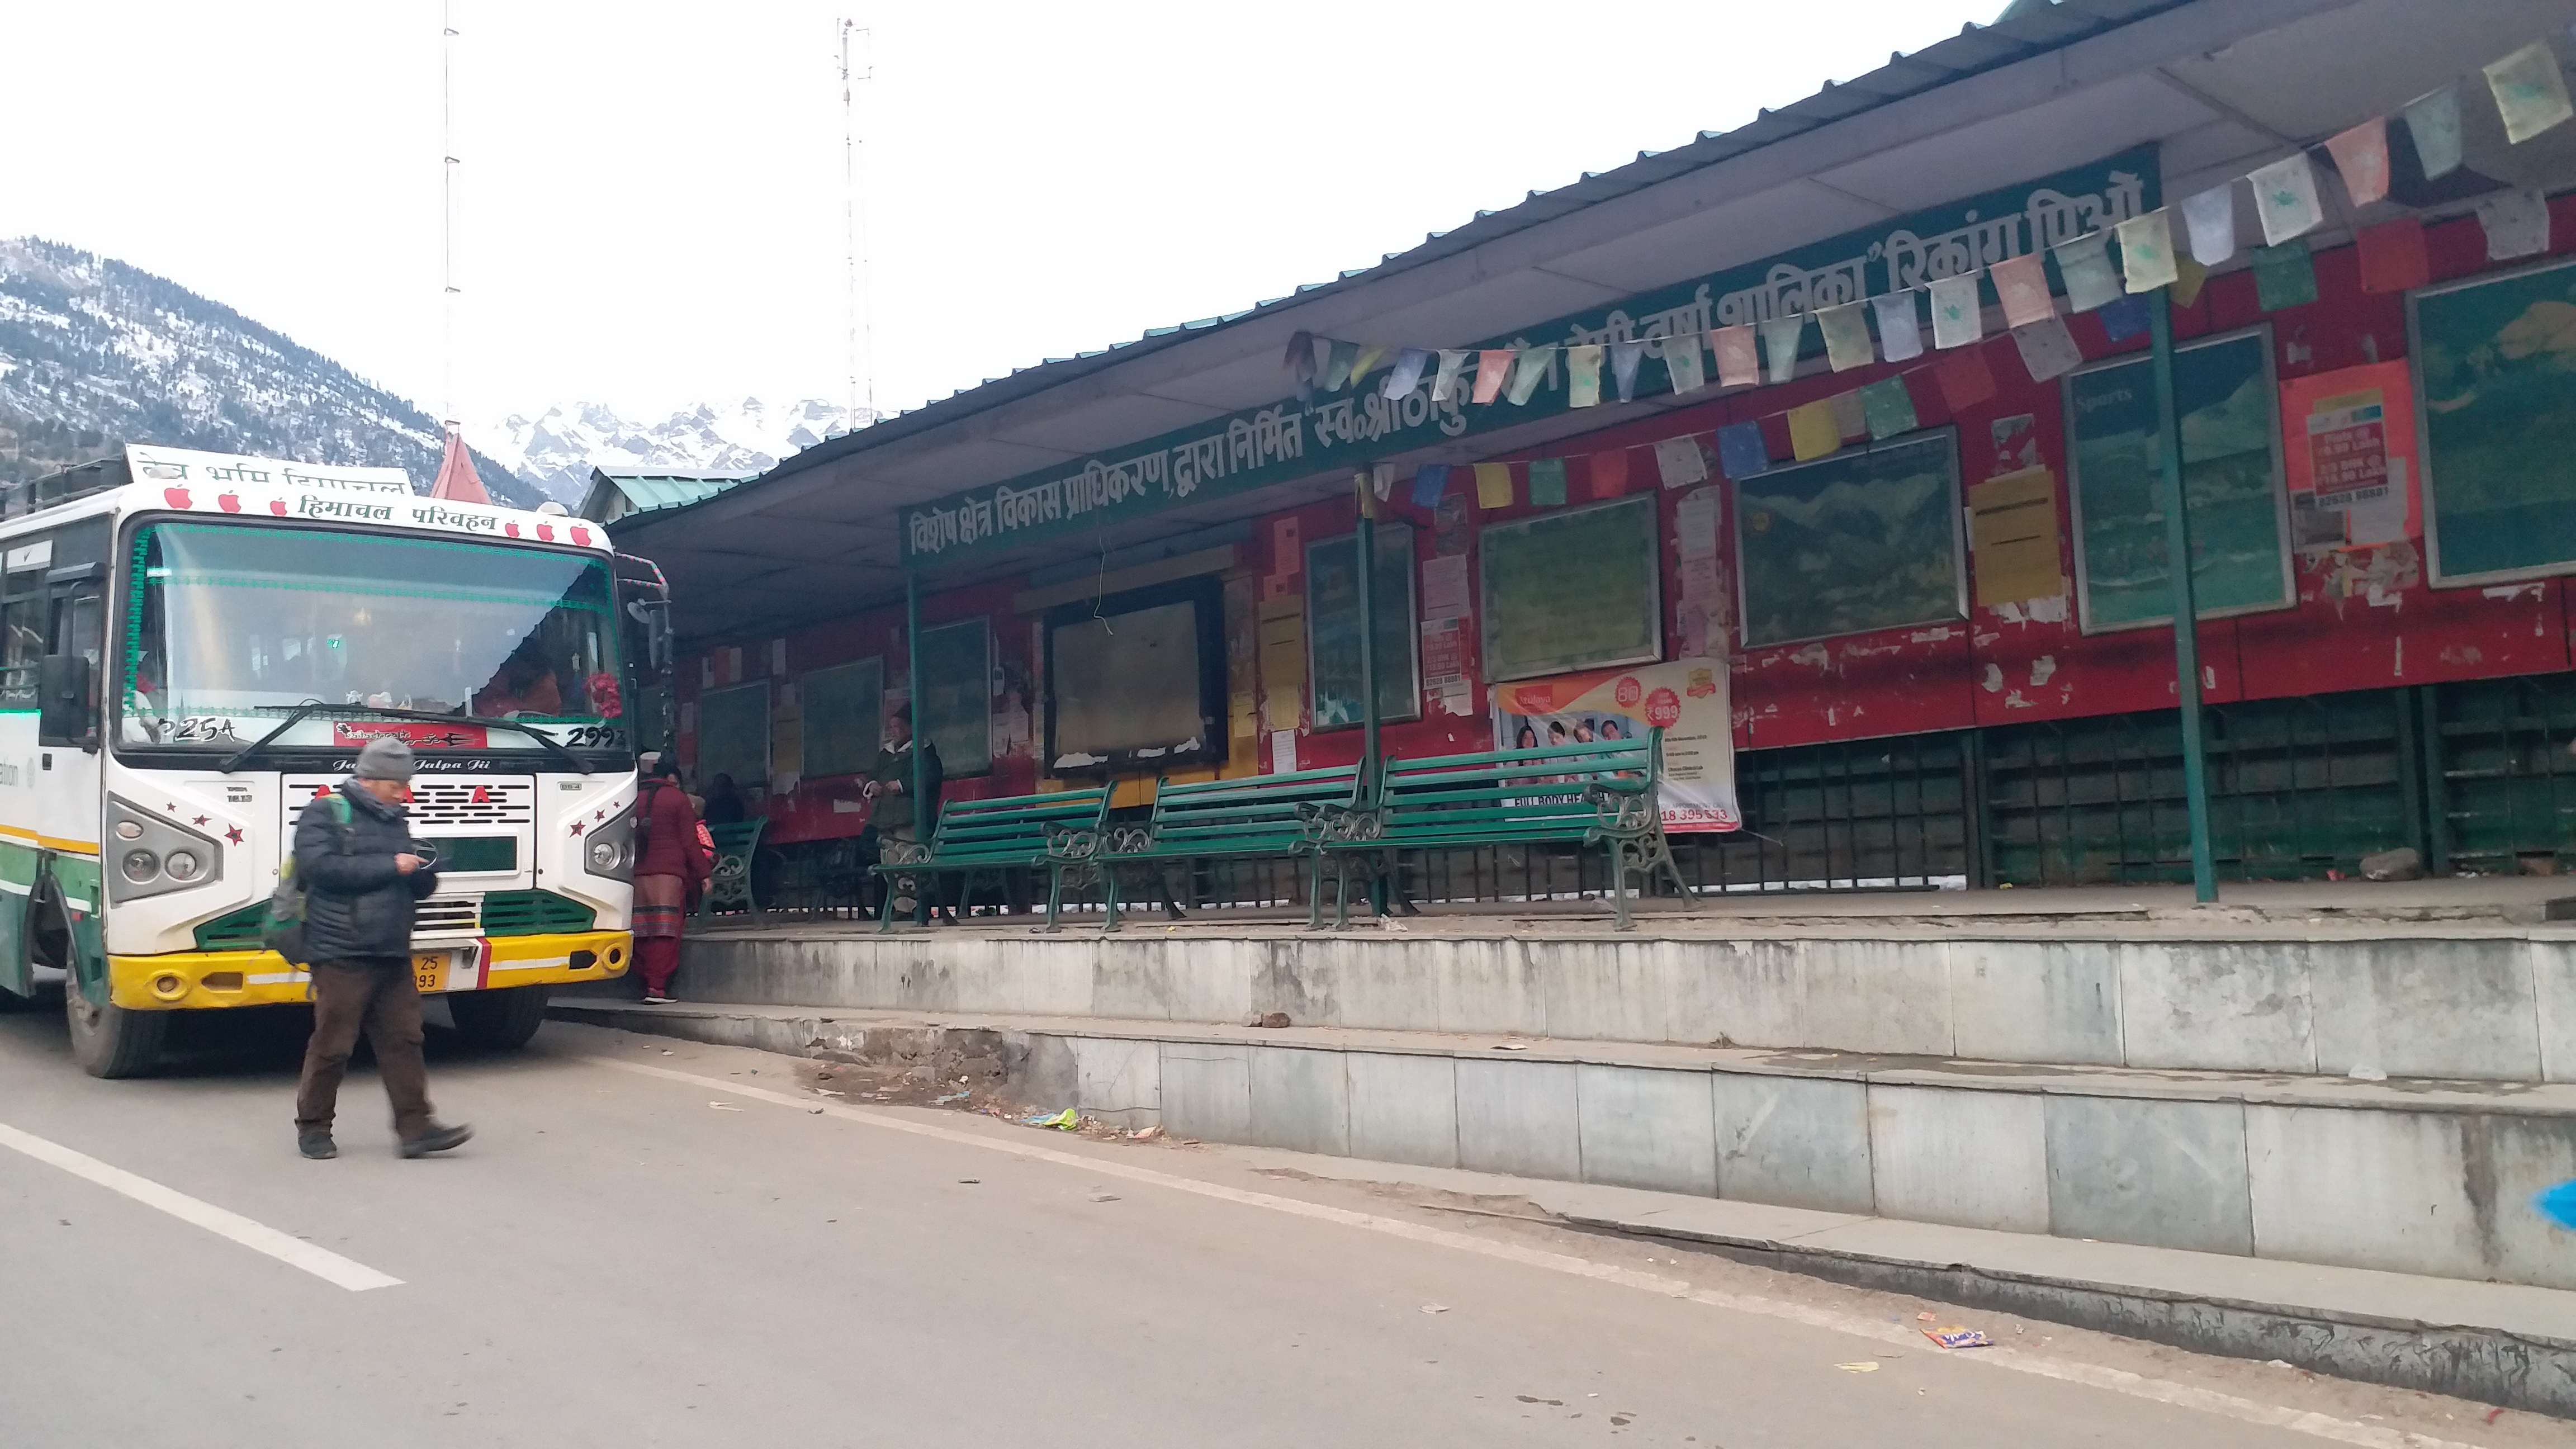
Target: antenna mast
point(447, 193)
point(863, 386)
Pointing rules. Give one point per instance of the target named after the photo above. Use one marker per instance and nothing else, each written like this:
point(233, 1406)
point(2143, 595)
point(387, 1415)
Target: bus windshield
point(236, 623)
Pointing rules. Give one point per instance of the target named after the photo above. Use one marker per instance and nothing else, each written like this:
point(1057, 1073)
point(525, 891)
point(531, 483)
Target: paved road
point(614, 1261)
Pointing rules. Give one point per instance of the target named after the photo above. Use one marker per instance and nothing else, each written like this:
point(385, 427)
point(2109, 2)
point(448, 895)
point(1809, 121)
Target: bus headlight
point(156, 854)
point(609, 849)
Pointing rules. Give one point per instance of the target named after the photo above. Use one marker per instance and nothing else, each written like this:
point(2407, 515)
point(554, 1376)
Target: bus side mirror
point(66, 712)
point(655, 615)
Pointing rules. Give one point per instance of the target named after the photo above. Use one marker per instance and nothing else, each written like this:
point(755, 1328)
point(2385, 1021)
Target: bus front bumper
point(196, 980)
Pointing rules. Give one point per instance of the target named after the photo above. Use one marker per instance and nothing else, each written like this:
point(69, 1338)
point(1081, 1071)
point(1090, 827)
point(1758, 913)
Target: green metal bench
point(1600, 794)
point(1275, 816)
point(729, 874)
point(1055, 833)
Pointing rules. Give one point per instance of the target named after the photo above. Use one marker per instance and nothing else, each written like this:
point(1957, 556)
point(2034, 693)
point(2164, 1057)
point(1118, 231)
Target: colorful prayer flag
point(2124, 319)
point(2284, 276)
point(2517, 224)
point(1966, 380)
point(1889, 408)
point(1900, 333)
point(1781, 339)
point(1369, 357)
point(2189, 277)
point(1382, 481)
point(1534, 365)
point(1680, 462)
point(2434, 123)
point(2085, 263)
point(2146, 251)
point(1337, 366)
point(2210, 217)
point(1583, 376)
point(1429, 482)
point(1547, 482)
point(1958, 313)
point(1610, 473)
point(1493, 368)
point(2048, 349)
point(1406, 375)
point(2393, 256)
point(1493, 486)
point(1847, 342)
point(1812, 433)
point(1741, 451)
point(1683, 362)
point(2529, 91)
point(1452, 363)
point(1851, 420)
point(2285, 198)
point(2021, 284)
point(2361, 158)
point(1624, 357)
point(1738, 364)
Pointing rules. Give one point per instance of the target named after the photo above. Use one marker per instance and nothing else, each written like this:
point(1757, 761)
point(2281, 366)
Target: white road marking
point(2118, 1381)
point(293, 1251)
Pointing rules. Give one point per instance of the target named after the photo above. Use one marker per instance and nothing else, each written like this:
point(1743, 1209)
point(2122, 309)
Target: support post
point(2186, 614)
point(923, 825)
point(1365, 541)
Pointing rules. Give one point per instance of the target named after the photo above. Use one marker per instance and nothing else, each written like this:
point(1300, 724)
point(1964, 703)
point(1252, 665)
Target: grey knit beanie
point(385, 758)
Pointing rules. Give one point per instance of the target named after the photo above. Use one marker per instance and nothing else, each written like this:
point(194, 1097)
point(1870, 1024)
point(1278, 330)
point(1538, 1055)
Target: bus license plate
point(429, 971)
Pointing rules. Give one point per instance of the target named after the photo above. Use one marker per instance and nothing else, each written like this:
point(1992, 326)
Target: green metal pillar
point(2186, 614)
point(1365, 541)
point(923, 824)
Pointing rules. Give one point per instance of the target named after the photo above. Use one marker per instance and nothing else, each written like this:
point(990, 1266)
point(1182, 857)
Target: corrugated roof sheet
point(649, 492)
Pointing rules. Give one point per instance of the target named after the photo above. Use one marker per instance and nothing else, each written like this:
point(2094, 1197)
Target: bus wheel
point(501, 1019)
point(110, 1041)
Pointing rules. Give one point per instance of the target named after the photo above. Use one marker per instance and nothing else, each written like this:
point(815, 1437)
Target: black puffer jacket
point(355, 902)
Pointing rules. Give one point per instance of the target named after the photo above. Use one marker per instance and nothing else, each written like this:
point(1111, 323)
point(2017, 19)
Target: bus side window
point(80, 627)
point(23, 607)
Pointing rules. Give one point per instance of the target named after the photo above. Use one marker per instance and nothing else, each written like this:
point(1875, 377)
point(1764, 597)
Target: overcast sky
point(650, 201)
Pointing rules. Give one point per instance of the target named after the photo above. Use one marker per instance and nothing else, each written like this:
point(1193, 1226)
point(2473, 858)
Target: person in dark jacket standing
point(670, 867)
point(362, 875)
point(895, 819)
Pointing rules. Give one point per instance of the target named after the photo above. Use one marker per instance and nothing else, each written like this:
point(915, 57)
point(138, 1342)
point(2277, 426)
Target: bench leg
point(1055, 897)
point(1109, 897)
point(1619, 884)
point(1315, 891)
point(885, 906)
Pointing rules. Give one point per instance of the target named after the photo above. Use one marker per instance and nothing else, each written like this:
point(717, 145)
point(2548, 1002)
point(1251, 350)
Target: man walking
point(361, 875)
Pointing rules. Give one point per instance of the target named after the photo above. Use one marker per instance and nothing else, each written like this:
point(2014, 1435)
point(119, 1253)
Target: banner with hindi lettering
point(1286, 441)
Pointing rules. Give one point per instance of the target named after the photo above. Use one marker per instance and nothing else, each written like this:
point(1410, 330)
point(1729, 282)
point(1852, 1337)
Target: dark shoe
point(316, 1143)
point(437, 1139)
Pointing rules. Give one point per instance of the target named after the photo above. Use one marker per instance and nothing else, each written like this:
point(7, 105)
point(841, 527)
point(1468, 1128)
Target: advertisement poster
point(2349, 450)
point(1687, 698)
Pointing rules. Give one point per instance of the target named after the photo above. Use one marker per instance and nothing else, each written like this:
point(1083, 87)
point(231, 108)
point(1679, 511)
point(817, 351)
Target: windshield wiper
point(249, 752)
point(545, 741)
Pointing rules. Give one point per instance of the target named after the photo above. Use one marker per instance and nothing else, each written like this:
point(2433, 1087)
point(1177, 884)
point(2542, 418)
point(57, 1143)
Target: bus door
point(71, 615)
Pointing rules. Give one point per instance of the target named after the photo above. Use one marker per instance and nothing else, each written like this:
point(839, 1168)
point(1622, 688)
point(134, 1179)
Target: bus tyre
point(110, 1041)
point(501, 1019)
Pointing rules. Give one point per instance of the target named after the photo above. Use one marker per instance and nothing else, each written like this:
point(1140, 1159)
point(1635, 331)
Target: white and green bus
point(196, 644)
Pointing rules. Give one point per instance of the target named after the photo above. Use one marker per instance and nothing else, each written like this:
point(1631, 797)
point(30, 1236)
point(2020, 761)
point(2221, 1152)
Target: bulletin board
point(954, 694)
point(1865, 539)
point(1333, 628)
point(1579, 588)
point(733, 736)
point(2492, 362)
point(2232, 481)
point(845, 718)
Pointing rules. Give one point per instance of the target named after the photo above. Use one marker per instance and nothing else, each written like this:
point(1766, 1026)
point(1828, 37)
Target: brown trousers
point(378, 996)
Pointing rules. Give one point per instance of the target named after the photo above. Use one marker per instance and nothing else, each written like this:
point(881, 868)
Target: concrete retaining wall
point(2497, 1007)
point(2387, 1183)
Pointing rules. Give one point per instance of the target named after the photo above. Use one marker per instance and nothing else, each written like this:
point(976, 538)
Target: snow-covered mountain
point(557, 448)
point(95, 354)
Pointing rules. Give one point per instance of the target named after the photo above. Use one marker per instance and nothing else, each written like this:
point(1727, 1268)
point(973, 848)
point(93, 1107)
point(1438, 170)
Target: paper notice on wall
point(2351, 455)
point(1283, 751)
point(1445, 686)
point(2012, 533)
point(1444, 588)
point(1283, 663)
point(1698, 578)
point(2380, 519)
point(1695, 524)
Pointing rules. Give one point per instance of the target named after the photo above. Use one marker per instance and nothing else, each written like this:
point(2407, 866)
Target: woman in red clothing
point(671, 866)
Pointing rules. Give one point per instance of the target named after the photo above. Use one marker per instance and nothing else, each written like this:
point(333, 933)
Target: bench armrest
point(1066, 843)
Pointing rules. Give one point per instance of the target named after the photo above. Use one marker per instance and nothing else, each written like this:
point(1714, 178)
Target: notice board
point(2492, 360)
point(1333, 628)
point(733, 736)
point(845, 718)
point(1865, 539)
point(1569, 590)
point(2232, 484)
point(953, 687)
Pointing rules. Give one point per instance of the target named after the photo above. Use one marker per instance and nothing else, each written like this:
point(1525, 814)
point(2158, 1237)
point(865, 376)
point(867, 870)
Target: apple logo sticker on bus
point(545, 533)
point(581, 536)
point(512, 529)
point(175, 497)
point(228, 502)
point(277, 506)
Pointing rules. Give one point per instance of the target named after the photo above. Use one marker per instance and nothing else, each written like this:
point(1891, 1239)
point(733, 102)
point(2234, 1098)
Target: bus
point(198, 644)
